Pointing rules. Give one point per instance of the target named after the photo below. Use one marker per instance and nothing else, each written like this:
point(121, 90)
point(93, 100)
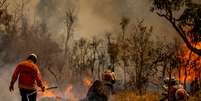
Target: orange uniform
point(28, 74)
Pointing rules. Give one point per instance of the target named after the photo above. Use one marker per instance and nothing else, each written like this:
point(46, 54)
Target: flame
point(190, 75)
point(48, 93)
point(87, 82)
point(191, 64)
point(69, 93)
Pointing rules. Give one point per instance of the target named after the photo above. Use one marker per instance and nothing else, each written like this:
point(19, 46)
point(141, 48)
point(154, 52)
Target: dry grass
point(197, 97)
point(132, 96)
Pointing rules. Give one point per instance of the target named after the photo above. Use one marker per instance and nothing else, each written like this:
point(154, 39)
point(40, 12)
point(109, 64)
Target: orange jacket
point(28, 75)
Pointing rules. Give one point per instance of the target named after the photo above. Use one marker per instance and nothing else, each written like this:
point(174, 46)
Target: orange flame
point(191, 64)
point(48, 93)
point(68, 93)
point(87, 82)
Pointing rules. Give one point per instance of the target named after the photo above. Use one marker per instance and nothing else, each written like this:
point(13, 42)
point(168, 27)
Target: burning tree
point(189, 65)
point(184, 16)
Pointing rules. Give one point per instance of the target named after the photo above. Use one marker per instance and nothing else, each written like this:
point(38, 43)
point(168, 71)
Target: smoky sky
point(95, 17)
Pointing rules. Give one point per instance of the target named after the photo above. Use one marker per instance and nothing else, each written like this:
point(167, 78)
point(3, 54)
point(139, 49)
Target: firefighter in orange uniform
point(28, 75)
point(101, 90)
point(176, 90)
point(109, 76)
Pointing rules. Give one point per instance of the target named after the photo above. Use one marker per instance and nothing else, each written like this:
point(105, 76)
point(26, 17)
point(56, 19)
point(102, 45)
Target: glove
point(43, 89)
point(11, 88)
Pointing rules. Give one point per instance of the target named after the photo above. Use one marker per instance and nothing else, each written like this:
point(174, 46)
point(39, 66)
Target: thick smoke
point(95, 17)
point(5, 76)
point(105, 15)
point(52, 12)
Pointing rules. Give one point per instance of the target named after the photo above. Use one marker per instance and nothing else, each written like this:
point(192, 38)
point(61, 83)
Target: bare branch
point(2, 3)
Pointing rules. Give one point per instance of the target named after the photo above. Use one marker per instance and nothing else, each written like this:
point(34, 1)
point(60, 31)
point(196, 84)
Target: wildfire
point(191, 64)
point(69, 92)
point(190, 75)
point(87, 82)
point(48, 93)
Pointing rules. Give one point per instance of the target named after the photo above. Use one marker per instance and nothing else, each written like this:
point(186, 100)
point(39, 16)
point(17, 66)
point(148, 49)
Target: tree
point(112, 50)
point(19, 37)
point(143, 56)
point(69, 21)
point(187, 24)
point(124, 23)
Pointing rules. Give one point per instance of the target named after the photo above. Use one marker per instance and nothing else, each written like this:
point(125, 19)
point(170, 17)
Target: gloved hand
point(11, 88)
point(43, 89)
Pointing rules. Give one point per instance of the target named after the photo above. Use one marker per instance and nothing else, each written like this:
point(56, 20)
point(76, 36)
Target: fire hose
point(49, 88)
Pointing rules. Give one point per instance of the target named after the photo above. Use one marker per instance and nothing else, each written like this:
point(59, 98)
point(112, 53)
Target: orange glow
point(87, 82)
point(48, 93)
point(191, 62)
point(69, 93)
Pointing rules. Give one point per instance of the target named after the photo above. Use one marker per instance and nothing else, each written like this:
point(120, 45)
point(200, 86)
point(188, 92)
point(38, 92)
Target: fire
point(191, 64)
point(190, 75)
point(48, 93)
point(69, 93)
point(87, 82)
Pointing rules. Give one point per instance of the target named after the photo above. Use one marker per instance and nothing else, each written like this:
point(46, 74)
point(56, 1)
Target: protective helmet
point(108, 75)
point(32, 57)
point(181, 94)
point(173, 81)
point(166, 80)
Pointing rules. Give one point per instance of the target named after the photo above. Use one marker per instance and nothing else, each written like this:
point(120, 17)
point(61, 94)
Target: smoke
point(95, 17)
point(98, 17)
point(5, 76)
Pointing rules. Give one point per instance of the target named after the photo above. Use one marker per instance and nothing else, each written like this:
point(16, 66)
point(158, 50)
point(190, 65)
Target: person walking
point(29, 77)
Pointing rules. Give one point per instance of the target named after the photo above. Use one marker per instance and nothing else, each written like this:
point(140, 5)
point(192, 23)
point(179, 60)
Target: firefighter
point(102, 89)
point(109, 76)
point(176, 90)
point(28, 75)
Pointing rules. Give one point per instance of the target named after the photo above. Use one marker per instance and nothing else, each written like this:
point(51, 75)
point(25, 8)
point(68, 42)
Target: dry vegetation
point(195, 98)
point(133, 96)
point(149, 96)
point(139, 61)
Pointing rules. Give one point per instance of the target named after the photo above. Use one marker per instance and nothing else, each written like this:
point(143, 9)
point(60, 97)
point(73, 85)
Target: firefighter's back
point(27, 75)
